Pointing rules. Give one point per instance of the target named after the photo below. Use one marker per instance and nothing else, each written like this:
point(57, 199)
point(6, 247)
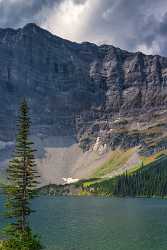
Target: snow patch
point(70, 180)
point(117, 120)
point(99, 146)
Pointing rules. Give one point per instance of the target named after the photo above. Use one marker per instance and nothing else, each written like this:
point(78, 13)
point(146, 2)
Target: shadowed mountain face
point(74, 92)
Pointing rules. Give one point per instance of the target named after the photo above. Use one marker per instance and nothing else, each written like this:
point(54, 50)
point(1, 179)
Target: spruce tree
point(22, 177)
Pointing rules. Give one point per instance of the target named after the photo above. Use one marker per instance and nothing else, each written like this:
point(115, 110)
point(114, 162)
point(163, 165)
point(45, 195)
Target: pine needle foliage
point(22, 179)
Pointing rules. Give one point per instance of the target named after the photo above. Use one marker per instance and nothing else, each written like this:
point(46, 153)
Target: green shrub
point(18, 241)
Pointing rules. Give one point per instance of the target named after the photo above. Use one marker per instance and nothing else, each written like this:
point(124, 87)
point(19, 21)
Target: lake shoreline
point(70, 190)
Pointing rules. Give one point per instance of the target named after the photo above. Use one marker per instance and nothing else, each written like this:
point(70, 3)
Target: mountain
point(90, 105)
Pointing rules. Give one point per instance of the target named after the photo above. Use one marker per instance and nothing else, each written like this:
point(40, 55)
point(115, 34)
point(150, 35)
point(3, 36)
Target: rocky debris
point(148, 151)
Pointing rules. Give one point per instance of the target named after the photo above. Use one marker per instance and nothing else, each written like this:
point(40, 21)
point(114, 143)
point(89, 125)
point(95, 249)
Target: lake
point(94, 223)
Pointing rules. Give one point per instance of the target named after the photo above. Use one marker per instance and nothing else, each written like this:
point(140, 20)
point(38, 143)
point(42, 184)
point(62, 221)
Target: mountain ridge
point(32, 26)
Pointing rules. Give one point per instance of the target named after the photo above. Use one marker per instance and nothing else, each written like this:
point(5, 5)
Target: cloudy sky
point(128, 24)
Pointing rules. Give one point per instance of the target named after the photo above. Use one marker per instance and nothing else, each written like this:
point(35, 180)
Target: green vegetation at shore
point(149, 180)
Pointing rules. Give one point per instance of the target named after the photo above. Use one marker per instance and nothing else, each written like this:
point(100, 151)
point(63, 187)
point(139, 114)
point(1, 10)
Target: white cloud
point(154, 49)
point(70, 20)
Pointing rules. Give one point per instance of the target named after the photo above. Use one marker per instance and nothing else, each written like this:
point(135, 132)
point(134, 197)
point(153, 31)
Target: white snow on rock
point(117, 120)
point(99, 147)
point(70, 180)
point(97, 144)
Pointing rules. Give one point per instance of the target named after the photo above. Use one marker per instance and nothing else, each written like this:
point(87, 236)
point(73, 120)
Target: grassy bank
point(150, 180)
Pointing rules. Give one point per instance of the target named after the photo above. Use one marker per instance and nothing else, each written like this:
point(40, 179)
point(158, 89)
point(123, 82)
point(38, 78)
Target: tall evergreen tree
point(22, 177)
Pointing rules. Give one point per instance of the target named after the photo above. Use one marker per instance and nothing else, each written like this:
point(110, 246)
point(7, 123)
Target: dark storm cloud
point(129, 24)
point(132, 24)
point(14, 13)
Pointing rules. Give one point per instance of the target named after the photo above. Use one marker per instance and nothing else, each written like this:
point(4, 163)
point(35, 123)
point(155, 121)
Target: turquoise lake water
point(91, 223)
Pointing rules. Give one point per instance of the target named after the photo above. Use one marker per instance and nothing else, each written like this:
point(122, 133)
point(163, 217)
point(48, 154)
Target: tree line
point(148, 181)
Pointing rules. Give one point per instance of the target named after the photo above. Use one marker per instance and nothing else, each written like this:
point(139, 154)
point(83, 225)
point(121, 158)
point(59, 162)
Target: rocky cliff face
point(80, 95)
